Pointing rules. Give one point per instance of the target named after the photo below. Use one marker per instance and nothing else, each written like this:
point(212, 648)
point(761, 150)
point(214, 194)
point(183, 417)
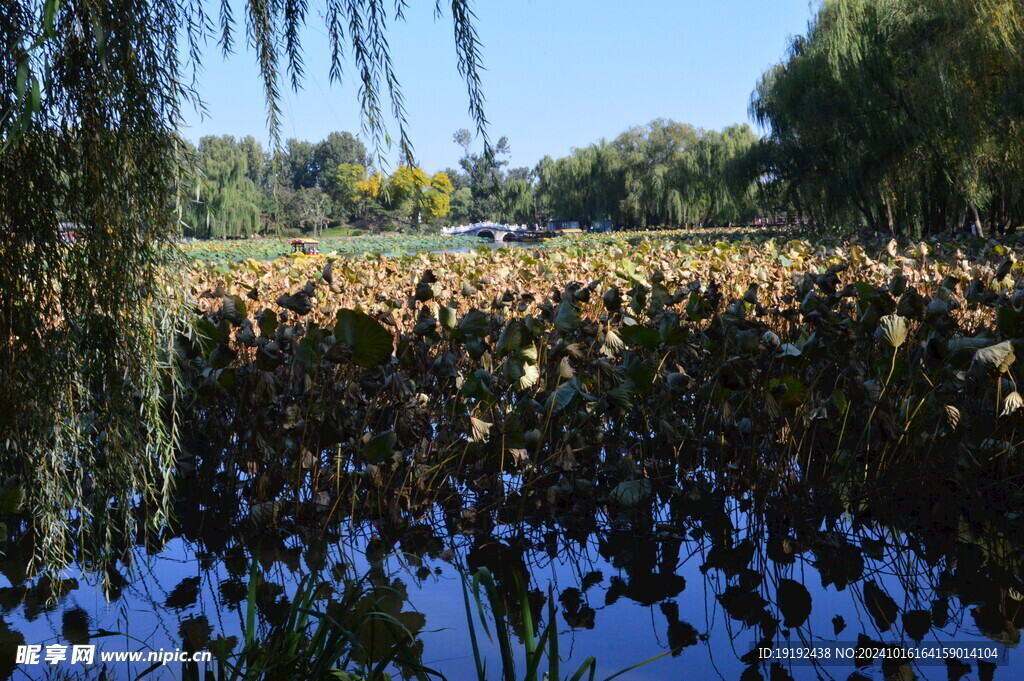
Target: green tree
point(484, 175)
point(664, 173)
point(516, 200)
point(342, 183)
point(257, 162)
point(225, 201)
point(300, 166)
point(338, 148)
point(901, 115)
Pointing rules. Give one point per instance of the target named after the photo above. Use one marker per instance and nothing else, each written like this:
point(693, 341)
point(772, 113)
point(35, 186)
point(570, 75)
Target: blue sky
point(560, 73)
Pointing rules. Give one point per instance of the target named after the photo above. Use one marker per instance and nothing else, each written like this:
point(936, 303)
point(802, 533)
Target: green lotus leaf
point(648, 339)
point(448, 317)
point(612, 299)
point(474, 323)
point(621, 396)
point(639, 373)
point(371, 343)
point(425, 291)
point(1008, 321)
point(511, 338)
point(567, 319)
point(476, 348)
point(379, 448)
point(233, 309)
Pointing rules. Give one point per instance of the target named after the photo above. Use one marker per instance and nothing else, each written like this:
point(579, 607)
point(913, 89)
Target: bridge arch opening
point(486, 234)
point(509, 237)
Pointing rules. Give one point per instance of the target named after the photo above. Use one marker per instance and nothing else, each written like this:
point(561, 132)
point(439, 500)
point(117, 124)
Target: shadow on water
point(705, 565)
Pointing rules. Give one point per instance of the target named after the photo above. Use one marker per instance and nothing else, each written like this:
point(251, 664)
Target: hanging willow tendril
point(90, 173)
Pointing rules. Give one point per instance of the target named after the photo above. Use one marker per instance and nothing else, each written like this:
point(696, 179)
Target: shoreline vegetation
point(270, 248)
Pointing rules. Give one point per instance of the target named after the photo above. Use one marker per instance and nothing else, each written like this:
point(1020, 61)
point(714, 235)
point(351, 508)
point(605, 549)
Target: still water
point(703, 575)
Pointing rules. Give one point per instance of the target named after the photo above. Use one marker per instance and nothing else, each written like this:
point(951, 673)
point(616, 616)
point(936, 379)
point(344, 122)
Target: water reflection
point(706, 568)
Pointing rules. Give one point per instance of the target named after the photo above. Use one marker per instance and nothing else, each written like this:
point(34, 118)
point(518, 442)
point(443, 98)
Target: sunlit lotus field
point(269, 248)
point(599, 370)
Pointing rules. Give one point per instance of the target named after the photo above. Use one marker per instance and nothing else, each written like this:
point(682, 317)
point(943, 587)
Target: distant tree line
point(661, 174)
point(236, 189)
point(664, 173)
point(904, 116)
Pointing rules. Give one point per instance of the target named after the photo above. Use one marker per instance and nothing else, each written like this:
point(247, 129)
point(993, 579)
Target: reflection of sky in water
point(624, 632)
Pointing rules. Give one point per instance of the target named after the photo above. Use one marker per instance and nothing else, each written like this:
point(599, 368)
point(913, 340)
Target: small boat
point(535, 235)
point(305, 246)
point(563, 227)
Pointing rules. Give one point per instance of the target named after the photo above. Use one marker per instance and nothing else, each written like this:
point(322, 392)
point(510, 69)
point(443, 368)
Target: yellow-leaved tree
point(411, 194)
point(436, 201)
point(373, 186)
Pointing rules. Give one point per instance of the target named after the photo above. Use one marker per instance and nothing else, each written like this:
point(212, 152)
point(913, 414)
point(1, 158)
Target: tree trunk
point(977, 221)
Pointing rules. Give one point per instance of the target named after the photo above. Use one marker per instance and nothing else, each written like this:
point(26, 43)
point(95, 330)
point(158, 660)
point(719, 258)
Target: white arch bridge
point(489, 231)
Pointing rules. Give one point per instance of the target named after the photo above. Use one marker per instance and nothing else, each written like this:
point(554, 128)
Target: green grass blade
point(481, 667)
point(638, 665)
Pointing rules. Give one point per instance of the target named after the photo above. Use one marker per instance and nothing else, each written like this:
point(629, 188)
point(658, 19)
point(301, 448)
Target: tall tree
point(226, 201)
point(902, 115)
point(338, 148)
point(664, 173)
point(484, 175)
point(257, 163)
point(300, 164)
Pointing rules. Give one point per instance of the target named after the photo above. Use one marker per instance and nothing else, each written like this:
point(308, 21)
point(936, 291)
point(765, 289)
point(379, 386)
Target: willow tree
point(587, 184)
point(515, 199)
point(90, 103)
point(722, 177)
point(225, 200)
point(664, 173)
point(904, 115)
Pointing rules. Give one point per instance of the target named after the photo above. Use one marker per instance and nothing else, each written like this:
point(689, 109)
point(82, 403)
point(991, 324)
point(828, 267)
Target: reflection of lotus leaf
point(630, 493)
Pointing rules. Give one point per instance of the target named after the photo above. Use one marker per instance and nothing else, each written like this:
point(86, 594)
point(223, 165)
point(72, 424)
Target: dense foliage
point(904, 116)
point(845, 360)
point(664, 173)
point(87, 104)
point(661, 174)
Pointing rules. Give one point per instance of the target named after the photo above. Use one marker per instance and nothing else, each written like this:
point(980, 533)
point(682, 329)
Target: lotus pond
point(214, 250)
point(640, 446)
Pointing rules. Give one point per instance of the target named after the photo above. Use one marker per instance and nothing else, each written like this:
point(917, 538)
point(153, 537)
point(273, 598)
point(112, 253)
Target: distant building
point(564, 223)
